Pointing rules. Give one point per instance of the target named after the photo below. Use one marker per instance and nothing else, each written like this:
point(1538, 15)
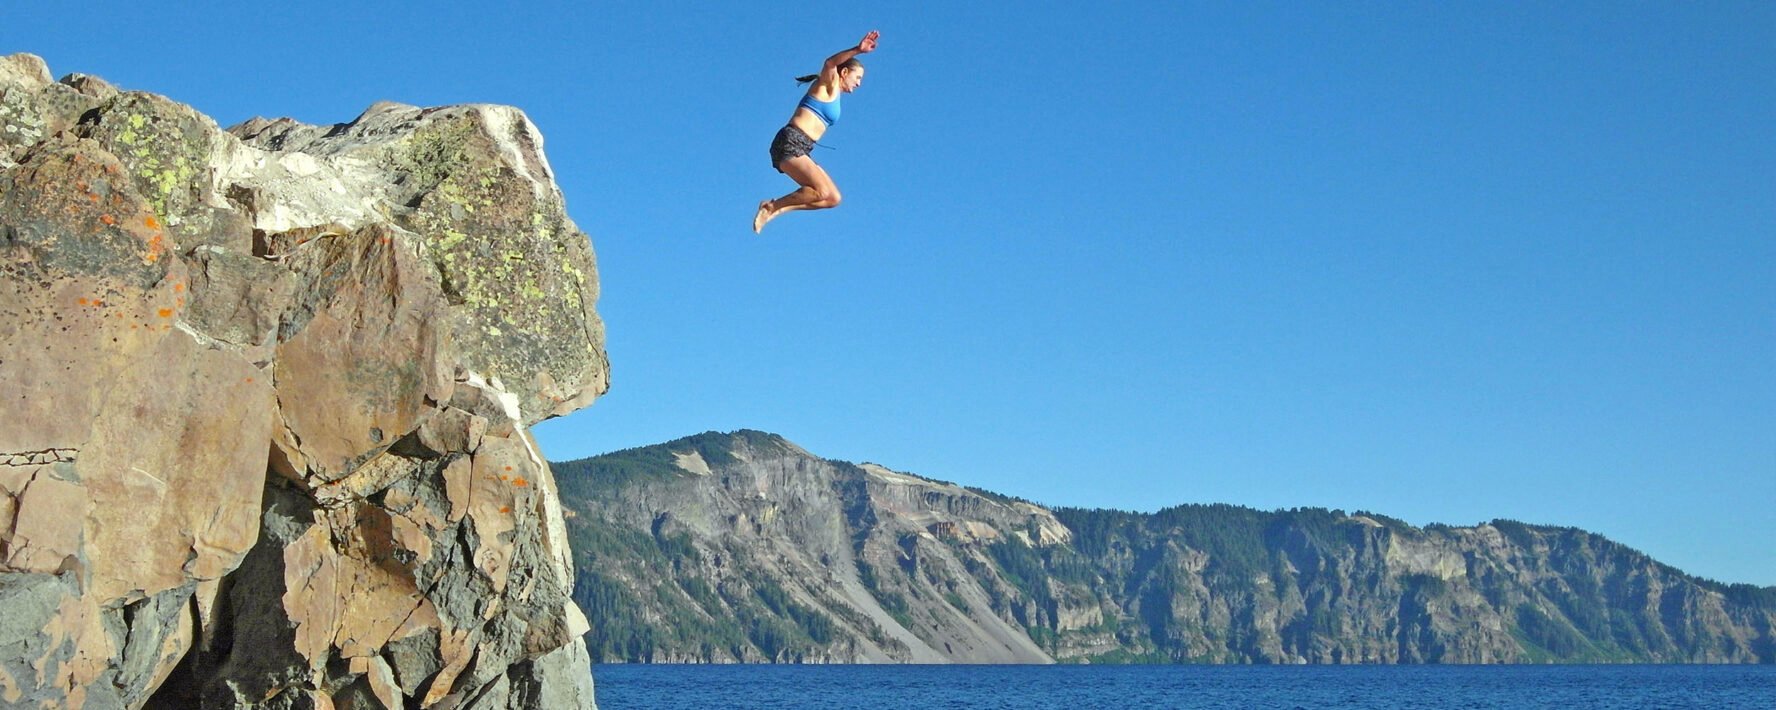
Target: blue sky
point(1443, 261)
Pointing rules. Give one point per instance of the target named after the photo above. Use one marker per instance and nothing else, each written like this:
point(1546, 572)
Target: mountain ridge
point(946, 564)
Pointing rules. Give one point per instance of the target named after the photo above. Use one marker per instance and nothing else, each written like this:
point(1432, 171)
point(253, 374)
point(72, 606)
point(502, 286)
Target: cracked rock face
point(266, 396)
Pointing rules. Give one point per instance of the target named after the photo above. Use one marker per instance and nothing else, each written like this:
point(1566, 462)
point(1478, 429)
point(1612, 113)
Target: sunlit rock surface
point(266, 396)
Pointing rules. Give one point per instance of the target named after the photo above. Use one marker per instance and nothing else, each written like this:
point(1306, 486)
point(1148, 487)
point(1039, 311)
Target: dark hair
point(849, 64)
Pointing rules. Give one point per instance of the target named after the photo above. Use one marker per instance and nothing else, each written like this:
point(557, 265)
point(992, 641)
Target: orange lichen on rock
point(107, 219)
point(156, 247)
point(166, 312)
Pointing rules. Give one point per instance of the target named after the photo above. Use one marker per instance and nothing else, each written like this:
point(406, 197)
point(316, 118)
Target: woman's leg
point(816, 191)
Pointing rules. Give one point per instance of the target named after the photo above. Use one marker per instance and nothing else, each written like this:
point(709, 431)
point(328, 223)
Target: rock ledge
point(267, 394)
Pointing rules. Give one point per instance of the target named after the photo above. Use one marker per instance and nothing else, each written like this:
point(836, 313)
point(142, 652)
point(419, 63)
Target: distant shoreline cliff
point(743, 547)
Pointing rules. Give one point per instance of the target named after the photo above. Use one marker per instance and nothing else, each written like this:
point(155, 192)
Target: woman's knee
point(829, 197)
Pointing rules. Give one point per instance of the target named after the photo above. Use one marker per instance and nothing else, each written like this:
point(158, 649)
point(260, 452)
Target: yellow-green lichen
point(497, 249)
point(166, 180)
point(579, 277)
point(451, 238)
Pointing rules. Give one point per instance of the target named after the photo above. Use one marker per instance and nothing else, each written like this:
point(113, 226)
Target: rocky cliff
point(747, 548)
point(1224, 584)
point(266, 396)
point(744, 547)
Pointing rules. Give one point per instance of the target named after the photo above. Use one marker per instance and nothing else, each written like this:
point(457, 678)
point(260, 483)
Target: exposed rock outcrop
point(266, 396)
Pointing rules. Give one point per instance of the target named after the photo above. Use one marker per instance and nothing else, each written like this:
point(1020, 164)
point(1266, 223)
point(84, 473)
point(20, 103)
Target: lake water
point(625, 687)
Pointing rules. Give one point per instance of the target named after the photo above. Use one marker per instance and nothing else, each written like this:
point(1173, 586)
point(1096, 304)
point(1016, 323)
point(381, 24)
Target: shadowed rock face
point(266, 397)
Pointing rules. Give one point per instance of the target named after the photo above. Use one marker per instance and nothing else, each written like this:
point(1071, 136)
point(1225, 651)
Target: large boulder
point(266, 396)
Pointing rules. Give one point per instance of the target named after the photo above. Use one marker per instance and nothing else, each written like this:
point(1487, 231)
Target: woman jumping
point(818, 110)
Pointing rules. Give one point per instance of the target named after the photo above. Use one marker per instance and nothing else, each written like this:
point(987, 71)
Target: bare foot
point(763, 216)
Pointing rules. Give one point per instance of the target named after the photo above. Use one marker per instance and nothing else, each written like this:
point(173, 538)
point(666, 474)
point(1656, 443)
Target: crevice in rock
point(182, 686)
point(42, 457)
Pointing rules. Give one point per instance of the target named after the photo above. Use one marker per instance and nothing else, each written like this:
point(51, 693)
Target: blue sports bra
point(828, 111)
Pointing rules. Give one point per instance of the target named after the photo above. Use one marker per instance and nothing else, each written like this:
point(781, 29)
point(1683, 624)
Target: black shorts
point(789, 143)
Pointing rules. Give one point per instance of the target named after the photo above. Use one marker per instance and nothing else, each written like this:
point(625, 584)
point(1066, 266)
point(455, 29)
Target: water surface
point(625, 687)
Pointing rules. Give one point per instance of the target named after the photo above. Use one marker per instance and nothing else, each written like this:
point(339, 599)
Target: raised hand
point(869, 42)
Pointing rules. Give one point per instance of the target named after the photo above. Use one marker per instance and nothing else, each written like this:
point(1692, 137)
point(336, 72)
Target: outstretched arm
point(830, 72)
